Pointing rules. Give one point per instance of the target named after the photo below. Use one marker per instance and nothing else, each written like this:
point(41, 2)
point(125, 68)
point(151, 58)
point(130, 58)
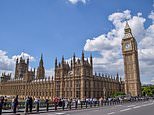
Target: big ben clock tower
point(131, 65)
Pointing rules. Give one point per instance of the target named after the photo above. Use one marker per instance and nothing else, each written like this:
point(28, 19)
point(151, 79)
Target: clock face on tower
point(128, 46)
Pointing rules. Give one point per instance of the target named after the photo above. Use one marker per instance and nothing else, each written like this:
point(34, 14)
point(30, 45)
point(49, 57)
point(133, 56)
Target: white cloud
point(77, 1)
point(109, 44)
point(151, 16)
point(7, 64)
point(49, 72)
point(24, 56)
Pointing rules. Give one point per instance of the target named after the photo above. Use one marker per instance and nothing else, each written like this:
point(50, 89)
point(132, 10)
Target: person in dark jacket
point(15, 104)
point(1, 104)
point(60, 103)
point(30, 104)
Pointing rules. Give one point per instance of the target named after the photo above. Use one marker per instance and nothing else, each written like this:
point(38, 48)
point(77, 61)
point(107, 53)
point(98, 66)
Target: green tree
point(148, 90)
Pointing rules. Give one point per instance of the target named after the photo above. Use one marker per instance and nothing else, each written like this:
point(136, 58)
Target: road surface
point(141, 108)
point(135, 108)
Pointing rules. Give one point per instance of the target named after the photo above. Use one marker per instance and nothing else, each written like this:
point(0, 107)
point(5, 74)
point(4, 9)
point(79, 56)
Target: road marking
point(143, 105)
point(60, 113)
point(147, 104)
point(125, 109)
point(137, 107)
point(131, 106)
point(111, 113)
point(144, 102)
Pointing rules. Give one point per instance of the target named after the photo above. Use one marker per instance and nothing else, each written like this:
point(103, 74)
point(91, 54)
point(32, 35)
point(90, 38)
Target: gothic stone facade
point(25, 83)
point(74, 80)
point(77, 80)
point(131, 64)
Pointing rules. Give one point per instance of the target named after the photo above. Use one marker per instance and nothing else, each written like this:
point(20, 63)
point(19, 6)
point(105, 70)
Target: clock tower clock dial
point(127, 46)
point(131, 65)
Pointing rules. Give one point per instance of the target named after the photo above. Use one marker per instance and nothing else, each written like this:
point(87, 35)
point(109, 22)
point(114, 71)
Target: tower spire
point(74, 58)
point(40, 69)
point(41, 56)
point(91, 59)
point(127, 28)
point(127, 25)
point(62, 59)
point(82, 56)
point(28, 61)
point(128, 32)
point(56, 62)
point(41, 60)
point(117, 77)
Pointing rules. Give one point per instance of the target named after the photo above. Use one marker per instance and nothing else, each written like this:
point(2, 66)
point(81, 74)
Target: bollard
point(76, 104)
point(14, 109)
point(86, 104)
point(90, 103)
point(37, 106)
point(81, 104)
point(70, 105)
point(95, 103)
point(63, 104)
point(98, 104)
point(47, 104)
point(1, 108)
point(31, 107)
point(26, 108)
point(55, 106)
point(47, 107)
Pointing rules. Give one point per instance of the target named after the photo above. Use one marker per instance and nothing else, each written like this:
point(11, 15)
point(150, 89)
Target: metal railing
point(51, 106)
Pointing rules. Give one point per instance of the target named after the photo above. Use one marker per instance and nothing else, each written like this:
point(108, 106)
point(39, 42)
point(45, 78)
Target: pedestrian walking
point(55, 102)
point(15, 104)
point(30, 104)
point(70, 104)
point(47, 104)
point(26, 104)
point(37, 103)
point(1, 104)
point(63, 104)
point(76, 103)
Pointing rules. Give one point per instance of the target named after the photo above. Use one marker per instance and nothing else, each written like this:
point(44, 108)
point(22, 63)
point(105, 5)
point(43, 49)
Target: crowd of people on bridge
point(64, 103)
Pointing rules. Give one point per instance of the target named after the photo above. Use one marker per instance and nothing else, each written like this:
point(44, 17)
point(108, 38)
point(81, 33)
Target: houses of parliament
point(74, 79)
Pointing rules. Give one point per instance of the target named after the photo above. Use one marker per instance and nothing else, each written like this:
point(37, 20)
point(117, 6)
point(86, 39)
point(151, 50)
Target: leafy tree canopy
point(148, 90)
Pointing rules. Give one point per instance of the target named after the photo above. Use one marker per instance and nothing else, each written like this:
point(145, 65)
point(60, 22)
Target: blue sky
point(61, 27)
